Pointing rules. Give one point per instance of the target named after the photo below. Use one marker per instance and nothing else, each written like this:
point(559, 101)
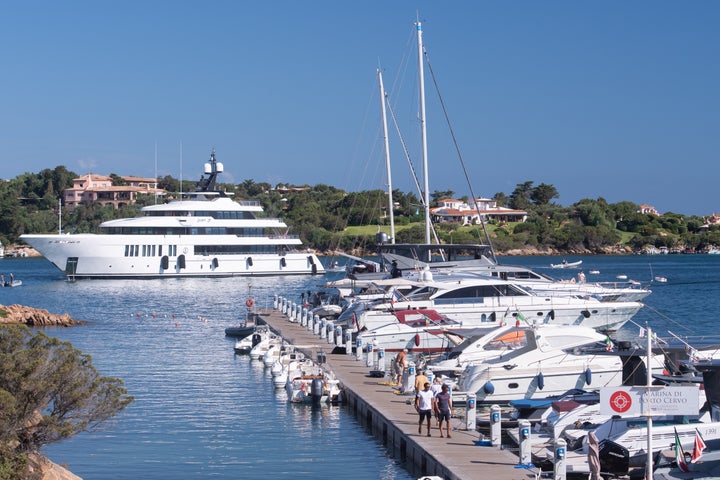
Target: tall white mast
point(423, 130)
point(649, 458)
point(387, 156)
point(60, 215)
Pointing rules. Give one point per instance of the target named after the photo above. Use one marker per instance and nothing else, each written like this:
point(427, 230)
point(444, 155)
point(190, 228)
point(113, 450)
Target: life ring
point(250, 302)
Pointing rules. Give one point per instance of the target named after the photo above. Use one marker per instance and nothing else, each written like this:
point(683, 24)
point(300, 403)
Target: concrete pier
point(391, 417)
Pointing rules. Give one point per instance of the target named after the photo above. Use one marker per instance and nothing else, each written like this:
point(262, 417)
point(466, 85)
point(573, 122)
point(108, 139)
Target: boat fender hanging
point(283, 262)
point(552, 314)
point(417, 339)
point(586, 313)
point(489, 388)
point(541, 380)
point(313, 268)
point(311, 261)
point(250, 302)
point(249, 261)
point(215, 262)
point(588, 376)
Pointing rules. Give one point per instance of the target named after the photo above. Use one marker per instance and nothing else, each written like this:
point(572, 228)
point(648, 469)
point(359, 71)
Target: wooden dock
point(391, 417)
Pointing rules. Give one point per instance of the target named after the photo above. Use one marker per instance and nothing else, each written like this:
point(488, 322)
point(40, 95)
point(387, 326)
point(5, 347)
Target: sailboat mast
point(423, 130)
point(387, 156)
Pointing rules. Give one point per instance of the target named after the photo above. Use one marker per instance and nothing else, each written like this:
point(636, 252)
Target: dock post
point(470, 412)
point(525, 453)
point(495, 426)
point(283, 305)
point(331, 332)
point(275, 302)
point(302, 315)
point(298, 314)
point(316, 324)
point(309, 320)
point(338, 336)
point(381, 359)
point(348, 342)
point(291, 315)
point(323, 330)
point(409, 378)
point(559, 472)
point(370, 355)
point(358, 348)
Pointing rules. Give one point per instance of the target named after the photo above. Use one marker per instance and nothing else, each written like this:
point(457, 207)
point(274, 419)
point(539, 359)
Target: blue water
point(202, 412)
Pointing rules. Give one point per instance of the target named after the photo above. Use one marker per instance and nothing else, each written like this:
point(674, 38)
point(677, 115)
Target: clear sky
point(610, 99)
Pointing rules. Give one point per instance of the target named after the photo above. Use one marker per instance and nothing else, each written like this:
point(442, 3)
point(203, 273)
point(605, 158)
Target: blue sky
point(610, 99)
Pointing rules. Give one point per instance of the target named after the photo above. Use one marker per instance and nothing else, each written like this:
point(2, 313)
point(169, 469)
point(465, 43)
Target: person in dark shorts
point(424, 402)
point(443, 409)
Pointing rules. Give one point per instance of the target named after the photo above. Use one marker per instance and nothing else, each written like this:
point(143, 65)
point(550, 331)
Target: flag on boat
point(396, 297)
point(698, 447)
point(609, 344)
point(642, 332)
point(680, 454)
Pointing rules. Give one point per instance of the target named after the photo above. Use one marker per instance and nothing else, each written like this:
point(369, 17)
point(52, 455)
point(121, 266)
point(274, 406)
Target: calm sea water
point(202, 412)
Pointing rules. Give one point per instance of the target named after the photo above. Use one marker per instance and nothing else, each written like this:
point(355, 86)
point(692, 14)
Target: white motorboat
point(418, 330)
point(491, 302)
point(244, 345)
point(257, 352)
point(535, 362)
point(312, 387)
point(566, 264)
point(207, 235)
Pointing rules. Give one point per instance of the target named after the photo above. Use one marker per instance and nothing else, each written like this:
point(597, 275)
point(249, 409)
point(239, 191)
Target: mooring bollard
point(495, 426)
point(560, 470)
point(275, 302)
point(323, 330)
point(338, 336)
point(369, 359)
point(408, 384)
point(381, 359)
point(316, 324)
point(348, 342)
point(358, 348)
point(331, 333)
point(524, 436)
point(309, 320)
point(470, 412)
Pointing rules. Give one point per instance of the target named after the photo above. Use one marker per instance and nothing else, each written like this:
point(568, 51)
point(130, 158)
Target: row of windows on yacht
point(233, 215)
point(239, 232)
point(205, 250)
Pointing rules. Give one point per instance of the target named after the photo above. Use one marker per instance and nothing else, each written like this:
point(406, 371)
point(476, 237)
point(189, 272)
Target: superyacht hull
point(154, 256)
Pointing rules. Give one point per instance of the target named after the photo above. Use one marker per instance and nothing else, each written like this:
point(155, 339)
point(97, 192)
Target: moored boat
point(207, 234)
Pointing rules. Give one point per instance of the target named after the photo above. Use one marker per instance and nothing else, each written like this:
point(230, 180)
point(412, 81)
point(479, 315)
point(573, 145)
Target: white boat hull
point(103, 256)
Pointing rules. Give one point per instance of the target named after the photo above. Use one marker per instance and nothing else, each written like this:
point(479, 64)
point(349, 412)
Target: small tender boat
point(660, 279)
point(14, 283)
point(621, 277)
point(566, 264)
point(594, 272)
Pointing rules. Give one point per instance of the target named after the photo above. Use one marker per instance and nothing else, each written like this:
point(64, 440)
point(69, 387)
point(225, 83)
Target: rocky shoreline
point(34, 317)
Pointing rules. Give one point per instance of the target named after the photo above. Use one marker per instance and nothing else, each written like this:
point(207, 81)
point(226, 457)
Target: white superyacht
point(205, 234)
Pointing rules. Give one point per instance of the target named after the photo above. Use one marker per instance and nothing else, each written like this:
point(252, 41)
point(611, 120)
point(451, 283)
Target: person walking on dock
point(400, 366)
point(424, 401)
point(443, 409)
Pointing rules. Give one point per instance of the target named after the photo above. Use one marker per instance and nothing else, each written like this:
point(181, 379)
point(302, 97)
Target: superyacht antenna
point(181, 170)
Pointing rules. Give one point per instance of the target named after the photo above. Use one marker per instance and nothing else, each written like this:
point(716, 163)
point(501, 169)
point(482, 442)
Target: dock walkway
point(392, 419)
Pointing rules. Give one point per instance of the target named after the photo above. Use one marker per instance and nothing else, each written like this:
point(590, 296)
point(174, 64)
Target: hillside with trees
point(327, 218)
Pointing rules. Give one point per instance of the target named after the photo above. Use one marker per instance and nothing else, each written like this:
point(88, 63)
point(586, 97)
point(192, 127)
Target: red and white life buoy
point(250, 302)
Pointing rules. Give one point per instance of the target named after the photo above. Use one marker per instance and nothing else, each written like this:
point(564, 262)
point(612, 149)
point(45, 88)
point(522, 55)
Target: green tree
point(48, 391)
point(543, 194)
